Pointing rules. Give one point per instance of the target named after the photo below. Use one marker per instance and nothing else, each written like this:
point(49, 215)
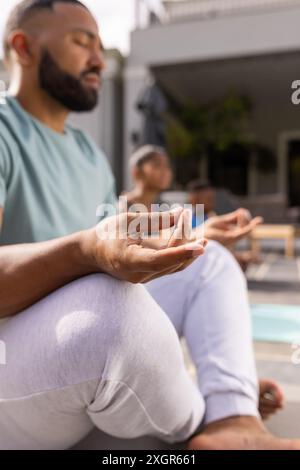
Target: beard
point(64, 87)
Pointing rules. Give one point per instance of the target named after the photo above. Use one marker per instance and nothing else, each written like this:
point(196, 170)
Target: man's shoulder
point(6, 122)
point(6, 139)
point(6, 107)
point(10, 124)
point(5, 110)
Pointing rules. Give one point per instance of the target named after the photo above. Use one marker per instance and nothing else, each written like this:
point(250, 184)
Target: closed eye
point(82, 44)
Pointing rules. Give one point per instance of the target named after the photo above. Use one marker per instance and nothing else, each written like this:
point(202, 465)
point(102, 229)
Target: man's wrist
point(86, 260)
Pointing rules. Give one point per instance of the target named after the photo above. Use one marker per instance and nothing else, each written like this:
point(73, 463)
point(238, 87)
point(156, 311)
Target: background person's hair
point(145, 154)
point(22, 12)
point(198, 185)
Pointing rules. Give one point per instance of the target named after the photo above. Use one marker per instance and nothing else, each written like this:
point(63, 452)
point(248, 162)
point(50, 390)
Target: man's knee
point(143, 342)
point(114, 328)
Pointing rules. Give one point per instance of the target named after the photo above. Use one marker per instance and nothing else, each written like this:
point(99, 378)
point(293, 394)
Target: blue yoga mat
point(276, 323)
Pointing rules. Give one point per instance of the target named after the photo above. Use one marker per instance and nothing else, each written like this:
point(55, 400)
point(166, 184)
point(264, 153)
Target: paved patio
point(277, 281)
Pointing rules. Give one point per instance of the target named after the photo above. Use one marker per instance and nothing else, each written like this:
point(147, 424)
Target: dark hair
point(199, 185)
point(145, 154)
point(22, 12)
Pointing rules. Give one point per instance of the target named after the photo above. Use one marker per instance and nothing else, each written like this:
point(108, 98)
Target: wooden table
point(275, 232)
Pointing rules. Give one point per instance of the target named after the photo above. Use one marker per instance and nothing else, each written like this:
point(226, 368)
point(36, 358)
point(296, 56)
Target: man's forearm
point(30, 272)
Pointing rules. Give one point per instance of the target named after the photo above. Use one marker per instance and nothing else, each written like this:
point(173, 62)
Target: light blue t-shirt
point(50, 184)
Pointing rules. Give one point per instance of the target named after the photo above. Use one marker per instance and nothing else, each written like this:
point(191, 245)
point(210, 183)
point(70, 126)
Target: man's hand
point(32, 271)
point(230, 228)
point(120, 246)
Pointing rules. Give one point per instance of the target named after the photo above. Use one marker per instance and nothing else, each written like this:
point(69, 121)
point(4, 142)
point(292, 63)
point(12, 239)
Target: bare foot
point(240, 433)
point(271, 398)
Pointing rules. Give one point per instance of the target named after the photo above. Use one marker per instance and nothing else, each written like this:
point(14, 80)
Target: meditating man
point(86, 344)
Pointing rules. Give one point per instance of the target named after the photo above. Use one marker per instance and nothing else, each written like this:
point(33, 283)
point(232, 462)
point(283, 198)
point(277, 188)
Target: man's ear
point(21, 48)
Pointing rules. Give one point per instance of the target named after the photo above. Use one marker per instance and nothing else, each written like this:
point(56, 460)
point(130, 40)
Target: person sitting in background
point(202, 193)
point(152, 174)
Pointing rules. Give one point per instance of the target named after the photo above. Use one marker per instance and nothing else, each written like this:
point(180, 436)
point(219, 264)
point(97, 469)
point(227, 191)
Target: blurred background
point(211, 80)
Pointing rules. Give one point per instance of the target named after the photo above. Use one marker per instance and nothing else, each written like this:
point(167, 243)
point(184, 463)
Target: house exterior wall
point(257, 34)
point(250, 34)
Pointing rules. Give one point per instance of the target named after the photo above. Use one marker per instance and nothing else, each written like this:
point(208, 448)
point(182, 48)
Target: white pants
point(100, 352)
